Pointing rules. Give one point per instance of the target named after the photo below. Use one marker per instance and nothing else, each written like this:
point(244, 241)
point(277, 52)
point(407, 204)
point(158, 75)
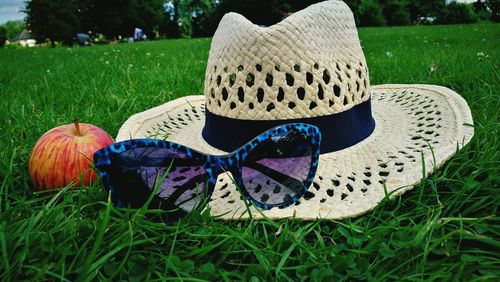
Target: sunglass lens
point(179, 182)
point(274, 172)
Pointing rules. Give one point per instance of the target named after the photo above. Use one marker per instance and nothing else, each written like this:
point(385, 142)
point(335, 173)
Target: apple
point(64, 155)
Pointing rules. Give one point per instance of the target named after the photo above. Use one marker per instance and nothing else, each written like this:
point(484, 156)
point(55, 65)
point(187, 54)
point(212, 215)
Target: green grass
point(447, 228)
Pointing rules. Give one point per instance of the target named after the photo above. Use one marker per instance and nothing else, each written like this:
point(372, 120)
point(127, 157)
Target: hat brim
point(417, 126)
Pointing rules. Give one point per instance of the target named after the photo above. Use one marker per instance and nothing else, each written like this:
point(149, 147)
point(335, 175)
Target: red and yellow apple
point(64, 155)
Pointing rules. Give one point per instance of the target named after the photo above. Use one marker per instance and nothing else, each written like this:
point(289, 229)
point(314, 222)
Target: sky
point(9, 9)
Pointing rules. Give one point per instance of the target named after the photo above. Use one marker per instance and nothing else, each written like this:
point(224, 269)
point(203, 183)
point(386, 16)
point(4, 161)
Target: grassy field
point(447, 228)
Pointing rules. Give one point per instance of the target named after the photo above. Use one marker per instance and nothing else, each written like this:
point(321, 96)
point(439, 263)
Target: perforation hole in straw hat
point(270, 107)
point(241, 94)
point(301, 93)
point(326, 76)
point(250, 79)
point(309, 78)
point(232, 79)
point(346, 101)
point(225, 94)
point(269, 79)
point(281, 94)
point(289, 79)
point(339, 77)
point(320, 92)
point(336, 90)
point(260, 95)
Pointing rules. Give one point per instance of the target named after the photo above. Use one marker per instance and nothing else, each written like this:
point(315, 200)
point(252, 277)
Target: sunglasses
point(273, 170)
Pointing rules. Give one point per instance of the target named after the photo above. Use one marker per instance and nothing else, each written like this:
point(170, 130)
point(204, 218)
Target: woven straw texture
point(311, 64)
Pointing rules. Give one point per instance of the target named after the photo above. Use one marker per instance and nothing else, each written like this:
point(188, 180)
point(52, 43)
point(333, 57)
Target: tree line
point(60, 20)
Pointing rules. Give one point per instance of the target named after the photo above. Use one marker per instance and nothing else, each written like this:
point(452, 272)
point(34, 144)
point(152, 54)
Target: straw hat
point(310, 67)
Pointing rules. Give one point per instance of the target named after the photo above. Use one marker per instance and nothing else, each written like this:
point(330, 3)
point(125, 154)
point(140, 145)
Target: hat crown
point(309, 64)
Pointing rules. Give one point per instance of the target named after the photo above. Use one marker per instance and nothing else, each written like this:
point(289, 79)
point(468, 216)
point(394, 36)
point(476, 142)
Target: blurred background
point(87, 22)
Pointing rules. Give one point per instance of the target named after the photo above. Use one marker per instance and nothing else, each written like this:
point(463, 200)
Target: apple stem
point(77, 126)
